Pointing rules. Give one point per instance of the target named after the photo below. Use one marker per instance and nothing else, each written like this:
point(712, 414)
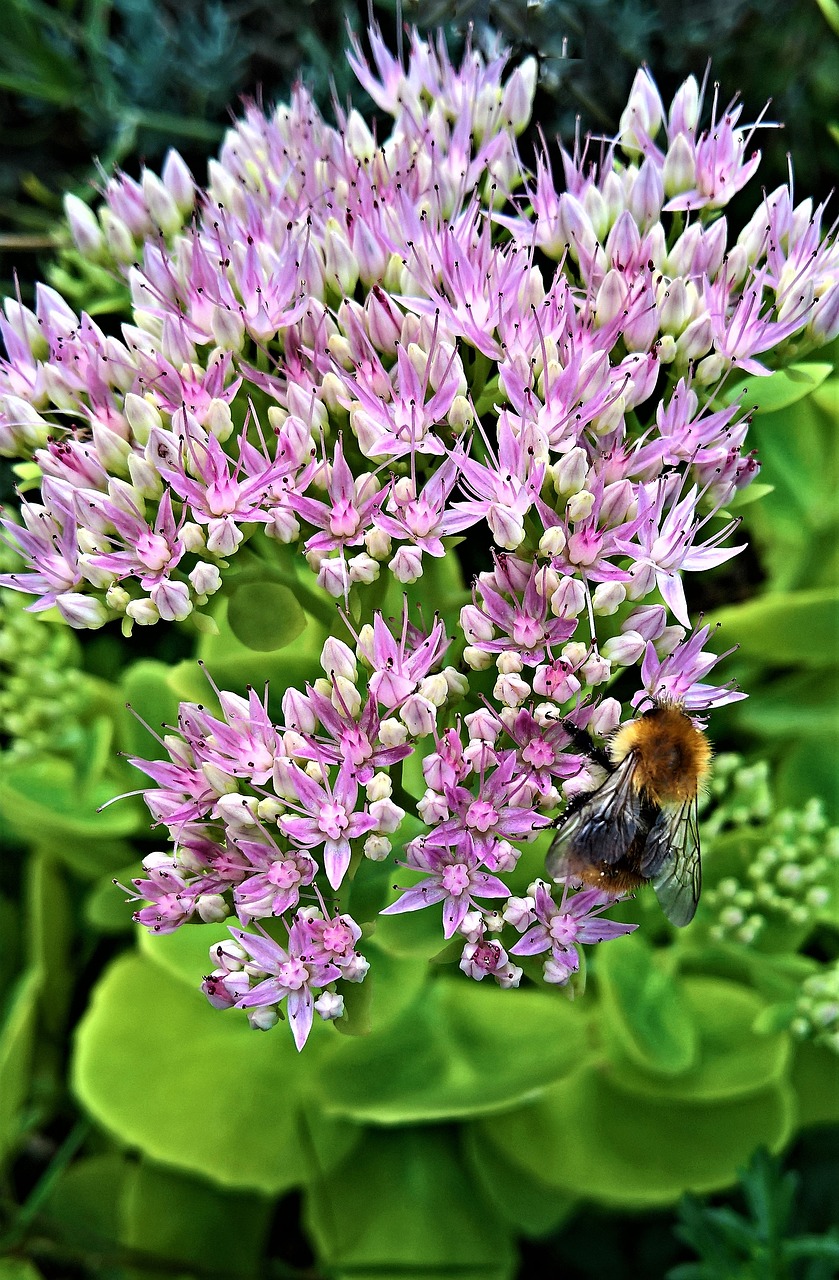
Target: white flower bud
point(552, 541)
point(569, 599)
point(392, 733)
point(512, 690)
point(477, 659)
point(329, 1006)
point(82, 612)
point(580, 505)
point(387, 814)
point(84, 227)
point(570, 473)
point(606, 718)
point(435, 688)
point(596, 669)
point(263, 1018)
point(624, 650)
point(377, 848)
point(212, 908)
point(607, 598)
point(345, 696)
point(143, 612)
point(363, 568)
point(419, 716)
point(509, 663)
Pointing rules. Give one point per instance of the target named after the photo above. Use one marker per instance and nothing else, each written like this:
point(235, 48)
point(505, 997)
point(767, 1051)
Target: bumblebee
point(640, 825)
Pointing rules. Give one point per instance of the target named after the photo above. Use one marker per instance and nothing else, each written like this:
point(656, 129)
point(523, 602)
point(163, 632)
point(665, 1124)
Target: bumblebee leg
point(581, 741)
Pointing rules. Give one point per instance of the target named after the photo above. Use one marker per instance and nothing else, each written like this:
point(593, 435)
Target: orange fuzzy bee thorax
point(672, 756)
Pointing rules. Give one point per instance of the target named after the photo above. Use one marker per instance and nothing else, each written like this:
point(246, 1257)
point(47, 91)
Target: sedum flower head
point(366, 346)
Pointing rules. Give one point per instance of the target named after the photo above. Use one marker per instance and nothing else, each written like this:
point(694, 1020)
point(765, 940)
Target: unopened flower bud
point(363, 568)
point(329, 1006)
point(606, 718)
point(679, 171)
point(624, 650)
point(388, 815)
point(143, 612)
point(669, 640)
point(84, 227)
point(419, 716)
point(212, 908)
point(569, 599)
point(580, 505)
point(172, 600)
point(552, 541)
point(509, 663)
point(82, 612)
point(477, 659)
point(571, 472)
point(435, 688)
point(607, 598)
point(512, 690)
point(596, 669)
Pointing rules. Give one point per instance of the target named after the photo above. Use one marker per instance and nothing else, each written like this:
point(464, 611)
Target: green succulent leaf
point(176, 1219)
point(528, 1203)
point(586, 1136)
point(144, 1024)
point(786, 629)
point(460, 1050)
point(781, 389)
point(17, 1038)
point(265, 615)
point(41, 800)
point(643, 1013)
point(152, 700)
point(731, 1059)
point(397, 1207)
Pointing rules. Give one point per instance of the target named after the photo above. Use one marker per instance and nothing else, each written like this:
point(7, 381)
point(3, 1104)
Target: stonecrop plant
point(370, 348)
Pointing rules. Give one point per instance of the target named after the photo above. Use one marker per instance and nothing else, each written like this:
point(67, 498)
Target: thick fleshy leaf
point(185, 954)
point(83, 1208)
point(105, 907)
point(730, 1059)
point(588, 1138)
point(145, 685)
point(18, 1269)
point(528, 1204)
point(780, 389)
point(793, 706)
point(815, 1078)
point(404, 1205)
point(808, 768)
point(265, 615)
point(230, 1101)
point(786, 629)
point(49, 937)
point(794, 528)
point(17, 1036)
point(182, 1221)
point(461, 1049)
point(42, 801)
point(642, 1013)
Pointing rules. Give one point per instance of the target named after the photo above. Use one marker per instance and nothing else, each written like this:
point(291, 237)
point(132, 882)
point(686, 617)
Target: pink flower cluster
point(365, 346)
point(371, 347)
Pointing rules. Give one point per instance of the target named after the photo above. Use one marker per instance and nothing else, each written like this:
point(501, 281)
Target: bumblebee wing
point(602, 826)
point(671, 862)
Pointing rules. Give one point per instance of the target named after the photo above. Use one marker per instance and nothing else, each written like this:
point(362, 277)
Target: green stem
point(45, 1186)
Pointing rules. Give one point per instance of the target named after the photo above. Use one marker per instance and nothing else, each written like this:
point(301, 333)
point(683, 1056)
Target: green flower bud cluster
point(737, 795)
point(42, 691)
point(817, 1009)
point(789, 879)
